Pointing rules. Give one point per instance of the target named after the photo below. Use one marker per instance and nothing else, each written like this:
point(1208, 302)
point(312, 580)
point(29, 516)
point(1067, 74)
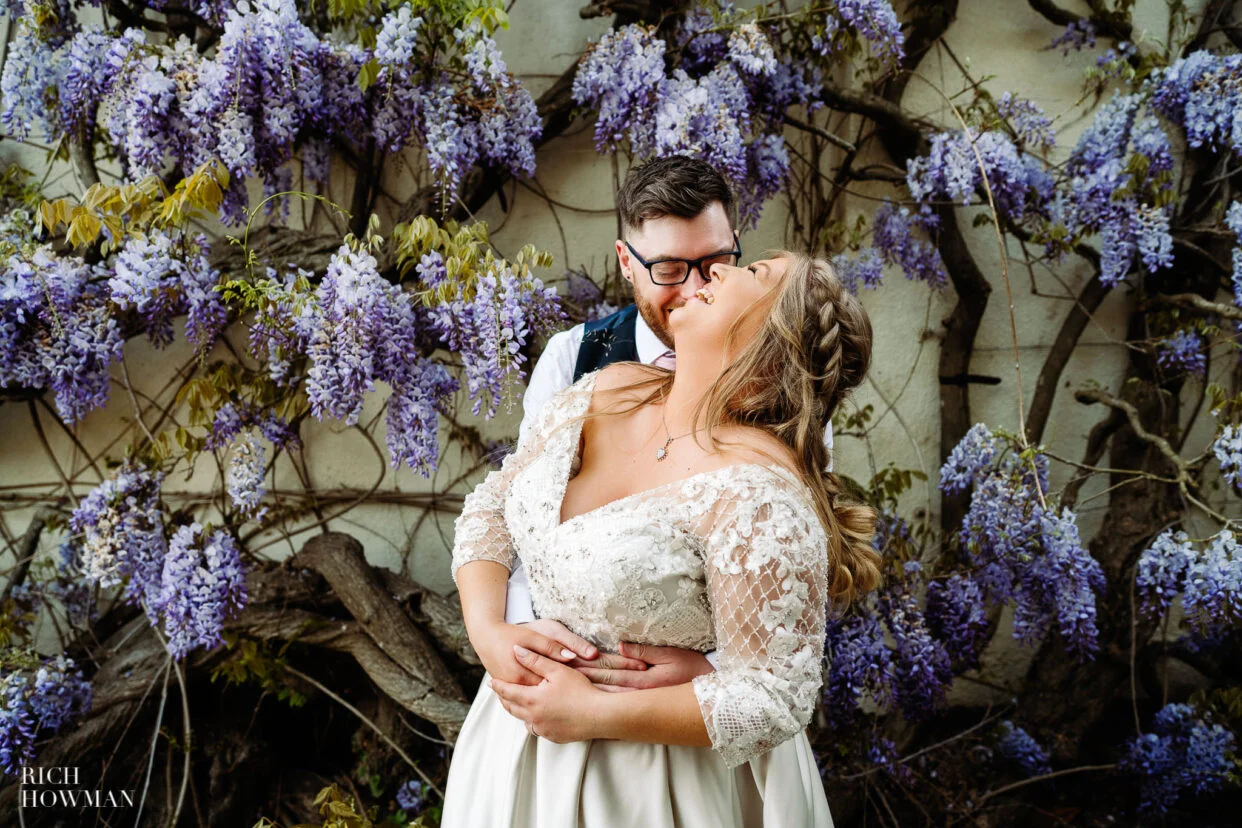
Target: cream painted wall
point(1000, 39)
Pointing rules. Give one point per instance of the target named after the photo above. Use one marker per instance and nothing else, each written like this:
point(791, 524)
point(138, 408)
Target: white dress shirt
point(553, 371)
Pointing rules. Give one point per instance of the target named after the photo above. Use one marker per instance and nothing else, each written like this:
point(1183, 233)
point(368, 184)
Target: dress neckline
point(573, 439)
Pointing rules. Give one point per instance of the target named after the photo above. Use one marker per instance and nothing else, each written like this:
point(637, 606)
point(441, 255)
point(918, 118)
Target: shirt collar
point(648, 345)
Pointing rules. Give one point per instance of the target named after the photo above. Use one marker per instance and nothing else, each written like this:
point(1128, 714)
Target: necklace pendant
point(661, 454)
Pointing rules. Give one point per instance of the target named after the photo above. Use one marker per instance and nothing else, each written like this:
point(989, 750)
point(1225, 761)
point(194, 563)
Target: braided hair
point(812, 349)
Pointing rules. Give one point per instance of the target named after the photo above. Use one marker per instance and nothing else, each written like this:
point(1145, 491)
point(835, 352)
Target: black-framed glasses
point(670, 272)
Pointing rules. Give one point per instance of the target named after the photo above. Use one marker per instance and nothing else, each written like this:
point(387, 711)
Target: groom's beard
point(655, 319)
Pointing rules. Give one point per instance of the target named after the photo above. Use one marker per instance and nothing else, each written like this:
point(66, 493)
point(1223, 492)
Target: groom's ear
point(623, 260)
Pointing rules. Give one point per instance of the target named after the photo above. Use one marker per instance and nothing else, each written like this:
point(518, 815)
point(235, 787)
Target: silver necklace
point(662, 452)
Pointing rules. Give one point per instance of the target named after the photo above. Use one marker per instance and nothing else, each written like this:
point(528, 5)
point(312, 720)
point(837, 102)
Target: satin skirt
point(501, 776)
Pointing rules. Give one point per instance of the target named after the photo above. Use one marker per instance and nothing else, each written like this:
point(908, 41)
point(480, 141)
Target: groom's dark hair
point(675, 185)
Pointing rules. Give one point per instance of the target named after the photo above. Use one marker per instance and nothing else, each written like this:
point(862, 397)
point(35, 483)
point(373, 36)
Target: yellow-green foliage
point(135, 208)
point(467, 253)
point(251, 662)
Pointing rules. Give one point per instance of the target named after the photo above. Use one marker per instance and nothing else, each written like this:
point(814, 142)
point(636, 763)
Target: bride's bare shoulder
point(620, 374)
point(614, 382)
point(747, 444)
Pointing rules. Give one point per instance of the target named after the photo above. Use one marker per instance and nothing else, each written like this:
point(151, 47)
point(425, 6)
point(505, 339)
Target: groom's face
point(672, 237)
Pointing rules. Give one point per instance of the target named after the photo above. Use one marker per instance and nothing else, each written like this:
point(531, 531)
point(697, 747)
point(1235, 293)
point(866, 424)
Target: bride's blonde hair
point(813, 347)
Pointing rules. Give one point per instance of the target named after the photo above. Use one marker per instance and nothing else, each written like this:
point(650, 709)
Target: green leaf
point(368, 73)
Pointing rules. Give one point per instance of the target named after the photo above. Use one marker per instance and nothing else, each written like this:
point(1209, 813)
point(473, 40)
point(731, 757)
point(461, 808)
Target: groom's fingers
point(630, 679)
point(537, 663)
point(647, 653)
point(609, 661)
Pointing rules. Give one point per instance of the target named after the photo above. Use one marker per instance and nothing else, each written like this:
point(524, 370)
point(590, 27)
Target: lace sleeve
point(767, 571)
point(480, 532)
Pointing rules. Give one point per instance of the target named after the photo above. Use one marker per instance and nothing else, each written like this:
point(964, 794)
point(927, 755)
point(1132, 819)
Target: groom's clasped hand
point(563, 704)
point(547, 676)
point(636, 667)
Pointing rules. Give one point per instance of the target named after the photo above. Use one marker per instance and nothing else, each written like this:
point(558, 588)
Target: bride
point(685, 509)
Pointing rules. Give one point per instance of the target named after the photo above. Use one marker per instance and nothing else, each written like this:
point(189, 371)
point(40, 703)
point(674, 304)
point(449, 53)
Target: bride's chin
point(682, 311)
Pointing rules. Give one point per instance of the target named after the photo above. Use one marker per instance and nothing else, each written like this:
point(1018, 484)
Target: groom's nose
point(695, 279)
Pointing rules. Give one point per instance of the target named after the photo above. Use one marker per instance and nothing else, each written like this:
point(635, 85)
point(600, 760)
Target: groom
point(678, 217)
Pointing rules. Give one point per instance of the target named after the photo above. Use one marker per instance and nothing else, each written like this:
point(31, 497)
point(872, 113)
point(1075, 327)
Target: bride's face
point(731, 292)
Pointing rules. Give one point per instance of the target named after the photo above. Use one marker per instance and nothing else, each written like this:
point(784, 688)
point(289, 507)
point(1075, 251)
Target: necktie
point(668, 360)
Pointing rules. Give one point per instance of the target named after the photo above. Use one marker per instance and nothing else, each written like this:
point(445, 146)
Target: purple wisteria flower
point(121, 529)
point(1209, 580)
point(203, 584)
point(1182, 352)
point(893, 235)
point(431, 269)
point(767, 163)
point(599, 310)
point(232, 417)
point(71, 589)
point(580, 289)
point(1062, 584)
point(1202, 92)
point(970, 459)
point(921, 665)
point(397, 41)
point(413, 414)
point(357, 316)
point(66, 589)
point(1233, 220)
point(882, 753)
point(701, 48)
point(366, 330)
point(504, 133)
point(1104, 194)
point(706, 117)
point(866, 270)
point(1016, 745)
point(412, 796)
point(950, 170)
point(1212, 594)
point(859, 662)
point(877, 23)
point(722, 102)
point(252, 99)
point(244, 480)
point(29, 71)
point(282, 330)
point(621, 77)
point(750, 50)
point(1228, 451)
point(161, 276)
point(56, 330)
point(1078, 35)
point(1161, 571)
point(1024, 551)
point(1028, 119)
point(957, 615)
point(40, 698)
point(1185, 752)
point(489, 322)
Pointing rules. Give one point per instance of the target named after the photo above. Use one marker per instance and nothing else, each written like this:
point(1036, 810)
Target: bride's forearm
point(661, 715)
point(482, 587)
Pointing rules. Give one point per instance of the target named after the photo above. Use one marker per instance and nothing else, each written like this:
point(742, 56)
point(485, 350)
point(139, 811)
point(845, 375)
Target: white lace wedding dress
point(732, 559)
